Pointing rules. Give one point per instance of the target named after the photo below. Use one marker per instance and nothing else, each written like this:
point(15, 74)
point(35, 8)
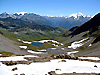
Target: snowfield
point(43, 41)
point(42, 50)
point(92, 58)
point(15, 58)
point(24, 47)
point(30, 51)
point(26, 42)
point(72, 52)
point(39, 68)
point(77, 44)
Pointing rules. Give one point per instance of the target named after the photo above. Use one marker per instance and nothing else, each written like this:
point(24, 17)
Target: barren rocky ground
point(8, 45)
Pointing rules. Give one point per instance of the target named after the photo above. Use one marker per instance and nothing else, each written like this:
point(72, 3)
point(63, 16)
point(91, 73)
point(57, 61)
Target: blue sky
point(51, 7)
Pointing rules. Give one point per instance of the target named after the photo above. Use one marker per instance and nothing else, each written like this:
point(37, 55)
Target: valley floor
point(55, 66)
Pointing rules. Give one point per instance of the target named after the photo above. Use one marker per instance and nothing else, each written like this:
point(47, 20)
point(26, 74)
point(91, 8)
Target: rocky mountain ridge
point(64, 21)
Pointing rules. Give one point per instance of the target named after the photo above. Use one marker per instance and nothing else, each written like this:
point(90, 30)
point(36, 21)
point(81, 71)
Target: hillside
point(8, 46)
point(90, 29)
point(26, 30)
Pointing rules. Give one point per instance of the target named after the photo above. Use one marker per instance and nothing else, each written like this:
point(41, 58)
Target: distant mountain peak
point(5, 13)
point(53, 16)
point(22, 13)
point(76, 15)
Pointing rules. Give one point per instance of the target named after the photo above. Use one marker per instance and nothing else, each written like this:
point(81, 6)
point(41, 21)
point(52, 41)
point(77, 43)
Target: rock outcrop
point(65, 56)
point(10, 63)
point(38, 59)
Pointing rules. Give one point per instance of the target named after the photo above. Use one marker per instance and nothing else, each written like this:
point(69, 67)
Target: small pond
point(37, 44)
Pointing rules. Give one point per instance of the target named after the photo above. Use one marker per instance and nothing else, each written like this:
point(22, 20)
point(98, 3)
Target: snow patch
point(92, 58)
point(62, 48)
point(90, 45)
point(72, 52)
point(24, 47)
point(30, 51)
point(53, 48)
point(26, 42)
point(77, 44)
point(43, 41)
point(15, 58)
point(42, 50)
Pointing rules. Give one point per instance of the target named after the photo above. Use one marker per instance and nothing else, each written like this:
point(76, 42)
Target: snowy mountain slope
point(77, 15)
point(68, 21)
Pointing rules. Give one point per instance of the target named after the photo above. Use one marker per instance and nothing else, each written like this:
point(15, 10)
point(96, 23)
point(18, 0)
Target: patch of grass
point(6, 53)
point(68, 44)
point(81, 48)
point(60, 39)
point(31, 47)
point(8, 34)
point(46, 45)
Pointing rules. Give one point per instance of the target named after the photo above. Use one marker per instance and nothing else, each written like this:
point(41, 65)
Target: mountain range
point(54, 21)
point(28, 30)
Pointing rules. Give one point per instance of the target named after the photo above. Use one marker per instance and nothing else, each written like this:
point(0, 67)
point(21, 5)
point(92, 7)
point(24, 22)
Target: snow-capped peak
point(53, 16)
point(76, 15)
point(50, 16)
point(4, 13)
point(22, 13)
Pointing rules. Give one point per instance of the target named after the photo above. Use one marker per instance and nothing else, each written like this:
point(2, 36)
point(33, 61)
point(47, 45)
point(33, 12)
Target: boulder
point(22, 74)
point(58, 69)
point(95, 66)
point(66, 56)
point(52, 73)
point(14, 69)
point(63, 60)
